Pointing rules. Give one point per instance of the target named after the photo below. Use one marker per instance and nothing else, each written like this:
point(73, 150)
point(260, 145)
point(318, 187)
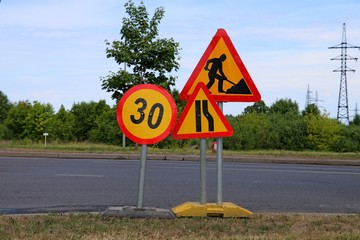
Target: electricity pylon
point(343, 105)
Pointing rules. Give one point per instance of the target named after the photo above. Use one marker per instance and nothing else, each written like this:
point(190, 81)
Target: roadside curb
point(185, 157)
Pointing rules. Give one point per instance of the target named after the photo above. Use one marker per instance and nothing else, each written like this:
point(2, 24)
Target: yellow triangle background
point(230, 69)
point(188, 125)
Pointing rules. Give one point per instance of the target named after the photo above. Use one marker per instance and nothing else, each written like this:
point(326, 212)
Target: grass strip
point(258, 226)
point(85, 147)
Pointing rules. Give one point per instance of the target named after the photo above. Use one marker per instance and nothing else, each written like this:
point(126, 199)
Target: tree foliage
point(85, 116)
point(289, 131)
point(311, 109)
point(106, 129)
point(251, 131)
point(284, 128)
point(258, 107)
point(356, 120)
point(149, 59)
point(284, 106)
point(38, 120)
point(323, 133)
point(16, 119)
point(5, 105)
point(63, 125)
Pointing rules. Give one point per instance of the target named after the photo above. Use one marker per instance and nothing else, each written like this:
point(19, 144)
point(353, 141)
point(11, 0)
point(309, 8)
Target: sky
point(54, 51)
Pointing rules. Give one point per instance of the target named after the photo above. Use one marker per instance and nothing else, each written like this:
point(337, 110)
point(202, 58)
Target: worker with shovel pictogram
point(213, 72)
point(216, 72)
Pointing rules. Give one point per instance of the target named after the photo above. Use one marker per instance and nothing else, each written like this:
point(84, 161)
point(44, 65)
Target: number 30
point(141, 110)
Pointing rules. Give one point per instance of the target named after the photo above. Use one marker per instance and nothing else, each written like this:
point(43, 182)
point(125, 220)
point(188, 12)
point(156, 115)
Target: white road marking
point(265, 169)
point(78, 175)
point(295, 171)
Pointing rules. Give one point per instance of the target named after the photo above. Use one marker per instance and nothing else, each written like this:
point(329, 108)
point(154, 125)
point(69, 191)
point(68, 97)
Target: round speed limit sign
point(146, 113)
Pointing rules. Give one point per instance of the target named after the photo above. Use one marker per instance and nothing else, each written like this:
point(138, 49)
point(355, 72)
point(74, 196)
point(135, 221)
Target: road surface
point(30, 185)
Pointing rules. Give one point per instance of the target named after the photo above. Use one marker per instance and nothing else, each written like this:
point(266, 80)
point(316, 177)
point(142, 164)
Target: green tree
point(258, 107)
point(180, 105)
point(356, 120)
point(5, 133)
point(289, 131)
point(85, 115)
point(311, 109)
point(16, 119)
point(349, 141)
point(38, 120)
point(284, 106)
point(5, 106)
point(150, 58)
point(84, 119)
point(323, 133)
point(251, 131)
point(106, 129)
point(63, 125)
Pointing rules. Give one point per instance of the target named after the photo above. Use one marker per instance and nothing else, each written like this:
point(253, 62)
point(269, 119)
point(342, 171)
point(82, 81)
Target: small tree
point(284, 106)
point(323, 133)
point(5, 106)
point(311, 109)
point(85, 114)
point(38, 120)
point(356, 120)
point(258, 107)
point(63, 124)
point(106, 129)
point(16, 119)
point(149, 58)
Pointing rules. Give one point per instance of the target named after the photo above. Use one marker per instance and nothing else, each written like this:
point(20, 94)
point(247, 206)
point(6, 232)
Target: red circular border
point(161, 136)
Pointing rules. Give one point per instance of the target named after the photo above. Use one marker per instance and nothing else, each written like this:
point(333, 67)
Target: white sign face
point(46, 134)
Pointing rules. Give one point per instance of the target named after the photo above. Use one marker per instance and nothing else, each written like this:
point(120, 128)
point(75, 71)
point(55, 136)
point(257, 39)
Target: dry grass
point(259, 226)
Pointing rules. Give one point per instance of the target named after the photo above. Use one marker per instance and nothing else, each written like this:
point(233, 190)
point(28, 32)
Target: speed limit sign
point(146, 113)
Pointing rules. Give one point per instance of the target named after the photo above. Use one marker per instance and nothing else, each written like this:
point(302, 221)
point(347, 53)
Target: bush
point(323, 133)
point(5, 133)
point(349, 140)
point(290, 131)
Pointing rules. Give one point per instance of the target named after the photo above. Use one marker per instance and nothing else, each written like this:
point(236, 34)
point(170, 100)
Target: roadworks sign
point(201, 117)
point(223, 72)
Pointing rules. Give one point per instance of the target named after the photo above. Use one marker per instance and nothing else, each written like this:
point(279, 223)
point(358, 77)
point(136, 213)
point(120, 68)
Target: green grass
point(103, 148)
point(258, 226)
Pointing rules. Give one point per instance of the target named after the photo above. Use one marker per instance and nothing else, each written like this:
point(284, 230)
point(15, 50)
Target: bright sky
point(54, 51)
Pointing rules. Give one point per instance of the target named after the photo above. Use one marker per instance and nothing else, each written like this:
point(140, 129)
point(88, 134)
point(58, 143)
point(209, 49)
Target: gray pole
point(219, 165)
point(123, 135)
point(203, 170)
point(142, 175)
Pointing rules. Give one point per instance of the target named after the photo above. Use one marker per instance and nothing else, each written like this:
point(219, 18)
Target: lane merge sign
point(146, 113)
point(223, 72)
point(201, 117)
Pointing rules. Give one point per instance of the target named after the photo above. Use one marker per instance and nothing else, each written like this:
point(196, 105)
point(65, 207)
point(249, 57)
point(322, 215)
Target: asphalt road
point(32, 185)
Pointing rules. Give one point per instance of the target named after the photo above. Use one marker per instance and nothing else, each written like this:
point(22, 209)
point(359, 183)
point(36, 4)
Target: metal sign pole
point(203, 170)
point(219, 165)
point(142, 175)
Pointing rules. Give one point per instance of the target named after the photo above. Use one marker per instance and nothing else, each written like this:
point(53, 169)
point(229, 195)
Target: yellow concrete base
point(195, 209)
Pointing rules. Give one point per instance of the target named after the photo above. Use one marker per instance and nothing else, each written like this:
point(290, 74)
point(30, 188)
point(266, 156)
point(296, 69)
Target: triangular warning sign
point(201, 117)
point(223, 72)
